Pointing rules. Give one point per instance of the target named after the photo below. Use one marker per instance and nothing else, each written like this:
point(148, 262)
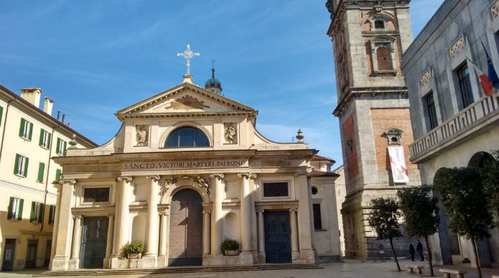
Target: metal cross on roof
point(188, 55)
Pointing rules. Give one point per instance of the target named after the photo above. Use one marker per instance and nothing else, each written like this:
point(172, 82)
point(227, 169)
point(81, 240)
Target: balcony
point(475, 119)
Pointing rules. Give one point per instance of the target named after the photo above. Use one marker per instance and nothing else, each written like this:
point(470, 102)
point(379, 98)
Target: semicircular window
point(187, 137)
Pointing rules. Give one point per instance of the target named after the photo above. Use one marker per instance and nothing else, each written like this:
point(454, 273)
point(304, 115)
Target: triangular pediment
point(184, 99)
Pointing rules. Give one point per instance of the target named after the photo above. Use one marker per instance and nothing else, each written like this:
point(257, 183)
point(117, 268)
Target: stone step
point(190, 269)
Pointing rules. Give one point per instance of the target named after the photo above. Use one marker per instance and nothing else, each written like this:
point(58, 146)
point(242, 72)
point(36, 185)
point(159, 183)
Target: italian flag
point(487, 85)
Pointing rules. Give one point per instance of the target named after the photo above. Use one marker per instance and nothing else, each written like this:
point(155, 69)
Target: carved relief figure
point(141, 135)
point(188, 102)
point(230, 133)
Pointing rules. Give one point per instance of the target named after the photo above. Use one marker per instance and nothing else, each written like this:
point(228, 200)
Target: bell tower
point(373, 108)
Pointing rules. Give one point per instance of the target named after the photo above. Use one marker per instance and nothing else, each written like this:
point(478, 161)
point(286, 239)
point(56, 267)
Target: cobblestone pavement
point(349, 269)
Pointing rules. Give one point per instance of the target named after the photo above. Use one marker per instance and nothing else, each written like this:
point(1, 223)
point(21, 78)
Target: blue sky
point(95, 57)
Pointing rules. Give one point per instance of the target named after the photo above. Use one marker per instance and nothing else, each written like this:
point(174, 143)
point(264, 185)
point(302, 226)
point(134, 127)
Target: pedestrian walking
point(419, 248)
point(411, 251)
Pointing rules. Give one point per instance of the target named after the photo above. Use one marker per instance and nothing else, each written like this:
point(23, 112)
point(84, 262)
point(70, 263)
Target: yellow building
point(29, 137)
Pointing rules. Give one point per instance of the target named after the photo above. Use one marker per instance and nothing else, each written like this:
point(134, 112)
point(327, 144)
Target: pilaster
point(61, 258)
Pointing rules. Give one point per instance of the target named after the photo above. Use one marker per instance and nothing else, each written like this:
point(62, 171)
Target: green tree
point(490, 177)
point(384, 219)
point(465, 200)
point(420, 210)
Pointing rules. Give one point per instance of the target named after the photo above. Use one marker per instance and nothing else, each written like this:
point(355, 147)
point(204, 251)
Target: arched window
point(187, 137)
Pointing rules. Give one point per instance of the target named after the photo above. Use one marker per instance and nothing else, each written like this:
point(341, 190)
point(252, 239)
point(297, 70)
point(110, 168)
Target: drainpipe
point(49, 160)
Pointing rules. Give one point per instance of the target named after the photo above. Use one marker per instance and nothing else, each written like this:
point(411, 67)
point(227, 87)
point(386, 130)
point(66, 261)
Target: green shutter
point(16, 164)
point(30, 131)
point(32, 214)
point(57, 174)
point(26, 167)
point(9, 212)
point(51, 215)
point(21, 204)
point(40, 142)
point(41, 171)
point(58, 146)
point(65, 145)
point(1, 114)
point(42, 212)
point(21, 128)
point(49, 138)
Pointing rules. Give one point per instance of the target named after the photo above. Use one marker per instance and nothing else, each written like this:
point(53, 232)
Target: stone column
point(75, 250)
point(109, 242)
point(305, 222)
point(63, 238)
point(294, 234)
point(122, 215)
point(217, 227)
point(152, 210)
point(163, 241)
point(261, 236)
point(246, 208)
point(162, 233)
point(206, 231)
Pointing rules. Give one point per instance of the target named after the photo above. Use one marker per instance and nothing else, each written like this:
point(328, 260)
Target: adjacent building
point(188, 169)
point(29, 138)
point(373, 109)
point(454, 123)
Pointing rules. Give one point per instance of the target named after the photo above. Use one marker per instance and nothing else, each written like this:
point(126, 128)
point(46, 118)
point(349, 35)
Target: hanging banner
point(397, 160)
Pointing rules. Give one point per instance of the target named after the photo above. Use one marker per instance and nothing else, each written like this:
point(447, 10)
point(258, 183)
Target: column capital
point(155, 178)
point(217, 176)
point(77, 217)
point(206, 211)
point(164, 212)
point(67, 181)
point(127, 179)
point(260, 210)
point(293, 209)
point(247, 175)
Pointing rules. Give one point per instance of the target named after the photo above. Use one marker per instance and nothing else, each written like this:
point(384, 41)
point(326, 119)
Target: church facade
point(187, 170)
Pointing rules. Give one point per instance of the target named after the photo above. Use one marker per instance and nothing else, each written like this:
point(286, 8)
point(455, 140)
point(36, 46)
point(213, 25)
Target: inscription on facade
point(184, 164)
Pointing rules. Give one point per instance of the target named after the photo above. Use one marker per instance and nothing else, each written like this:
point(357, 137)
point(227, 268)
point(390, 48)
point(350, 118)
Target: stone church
point(369, 38)
point(188, 169)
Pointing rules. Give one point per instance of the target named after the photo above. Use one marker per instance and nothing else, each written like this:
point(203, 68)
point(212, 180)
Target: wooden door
point(93, 242)
point(31, 253)
point(186, 229)
point(9, 254)
point(277, 237)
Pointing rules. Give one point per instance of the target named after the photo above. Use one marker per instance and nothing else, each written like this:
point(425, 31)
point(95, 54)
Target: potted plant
point(230, 247)
point(134, 249)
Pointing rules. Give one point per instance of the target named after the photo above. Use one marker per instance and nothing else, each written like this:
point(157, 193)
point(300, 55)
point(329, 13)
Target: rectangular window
point(36, 212)
point(41, 171)
point(431, 111)
point(96, 194)
point(61, 146)
point(58, 173)
point(275, 189)
point(466, 95)
point(26, 129)
point(51, 215)
point(317, 217)
point(21, 166)
point(44, 139)
point(15, 211)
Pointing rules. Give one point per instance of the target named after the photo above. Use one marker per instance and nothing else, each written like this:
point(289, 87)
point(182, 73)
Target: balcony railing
point(440, 137)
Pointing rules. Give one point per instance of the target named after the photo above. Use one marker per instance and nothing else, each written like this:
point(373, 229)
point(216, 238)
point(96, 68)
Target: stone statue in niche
point(141, 135)
point(230, 133)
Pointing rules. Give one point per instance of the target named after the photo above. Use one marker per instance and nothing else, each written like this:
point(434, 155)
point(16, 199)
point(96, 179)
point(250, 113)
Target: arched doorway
point(186, 229)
